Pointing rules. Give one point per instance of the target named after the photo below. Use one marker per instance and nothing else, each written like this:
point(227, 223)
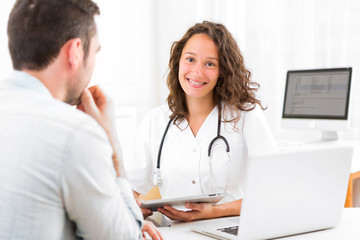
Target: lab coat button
point(193, 181)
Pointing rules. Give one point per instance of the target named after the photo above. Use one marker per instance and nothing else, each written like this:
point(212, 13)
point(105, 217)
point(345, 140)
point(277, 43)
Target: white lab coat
point(185, 167)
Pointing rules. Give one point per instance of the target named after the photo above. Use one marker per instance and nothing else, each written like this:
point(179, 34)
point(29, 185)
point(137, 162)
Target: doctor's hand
point(146, 212)
point(95, 103)
point(198, 211)
point(150, 229)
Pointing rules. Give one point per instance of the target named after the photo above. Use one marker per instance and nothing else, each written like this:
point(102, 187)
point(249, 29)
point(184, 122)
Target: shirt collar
point(20, 79)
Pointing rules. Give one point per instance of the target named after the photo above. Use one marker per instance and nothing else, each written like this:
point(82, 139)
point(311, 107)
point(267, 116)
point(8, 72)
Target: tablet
point(206, 198)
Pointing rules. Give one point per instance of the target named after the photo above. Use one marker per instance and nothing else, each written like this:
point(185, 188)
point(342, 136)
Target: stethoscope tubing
point(162, 143)
point(218, 136)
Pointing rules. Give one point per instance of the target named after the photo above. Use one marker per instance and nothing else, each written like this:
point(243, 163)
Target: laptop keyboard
point(231, 230)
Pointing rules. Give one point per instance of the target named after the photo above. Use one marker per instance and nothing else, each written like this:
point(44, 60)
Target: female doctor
point(212, 122)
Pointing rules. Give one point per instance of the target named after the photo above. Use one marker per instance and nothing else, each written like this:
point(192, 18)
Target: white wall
point(274, 36)
point(303, 34)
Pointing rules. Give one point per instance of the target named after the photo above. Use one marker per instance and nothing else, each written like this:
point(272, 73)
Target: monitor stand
point(329, 135)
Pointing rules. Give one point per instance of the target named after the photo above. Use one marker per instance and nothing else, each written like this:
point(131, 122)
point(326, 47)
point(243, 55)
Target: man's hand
point(150, 228)
point(95, 103)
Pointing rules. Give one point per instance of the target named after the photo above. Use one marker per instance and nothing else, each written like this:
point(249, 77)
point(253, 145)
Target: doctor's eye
point(189, 59)
point(210, 64)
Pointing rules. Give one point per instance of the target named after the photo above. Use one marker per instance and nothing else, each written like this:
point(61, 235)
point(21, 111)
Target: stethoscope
point(157, 179)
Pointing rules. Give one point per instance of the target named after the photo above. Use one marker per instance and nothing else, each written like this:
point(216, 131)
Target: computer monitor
point(317, 99)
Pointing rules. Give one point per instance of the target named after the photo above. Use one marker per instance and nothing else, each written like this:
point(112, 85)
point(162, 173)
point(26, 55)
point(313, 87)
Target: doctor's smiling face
point(199, 67)
point(206, 63)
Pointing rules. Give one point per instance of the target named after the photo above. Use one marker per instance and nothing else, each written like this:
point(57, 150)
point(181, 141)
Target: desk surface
point(348, 229)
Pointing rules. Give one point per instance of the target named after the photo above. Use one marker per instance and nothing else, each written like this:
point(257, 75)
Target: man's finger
point(151, 230)
point(88, 103)
point(157, 231)
point(98, 96)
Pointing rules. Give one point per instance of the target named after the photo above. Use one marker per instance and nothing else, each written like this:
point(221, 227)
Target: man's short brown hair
point(37, 30)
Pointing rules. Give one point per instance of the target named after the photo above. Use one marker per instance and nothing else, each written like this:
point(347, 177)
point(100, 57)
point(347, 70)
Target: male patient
point(61, 173)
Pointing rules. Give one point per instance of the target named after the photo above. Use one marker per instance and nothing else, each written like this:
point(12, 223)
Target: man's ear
point(75, 52)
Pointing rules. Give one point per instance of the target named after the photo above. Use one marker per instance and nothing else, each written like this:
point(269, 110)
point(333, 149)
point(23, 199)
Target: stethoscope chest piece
point(157, 180)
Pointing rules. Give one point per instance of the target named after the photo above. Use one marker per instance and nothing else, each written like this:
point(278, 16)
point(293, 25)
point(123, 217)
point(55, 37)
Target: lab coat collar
point(209, 126)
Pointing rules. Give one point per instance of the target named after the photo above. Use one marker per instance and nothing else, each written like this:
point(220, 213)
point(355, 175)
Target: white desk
point(349, 229)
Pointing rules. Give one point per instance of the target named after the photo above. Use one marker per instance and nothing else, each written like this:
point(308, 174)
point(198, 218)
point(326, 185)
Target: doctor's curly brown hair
point(234, 88)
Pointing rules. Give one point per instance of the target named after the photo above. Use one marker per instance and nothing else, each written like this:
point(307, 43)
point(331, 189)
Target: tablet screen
point(206, 198)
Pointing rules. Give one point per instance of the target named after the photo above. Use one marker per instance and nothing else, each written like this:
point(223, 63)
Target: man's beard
point(73, 97)
point(75, 89)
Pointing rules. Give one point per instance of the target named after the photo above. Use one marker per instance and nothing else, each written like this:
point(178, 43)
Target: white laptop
point(288, 193)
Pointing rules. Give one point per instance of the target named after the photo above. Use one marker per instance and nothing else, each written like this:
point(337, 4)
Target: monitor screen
point(317, 94)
